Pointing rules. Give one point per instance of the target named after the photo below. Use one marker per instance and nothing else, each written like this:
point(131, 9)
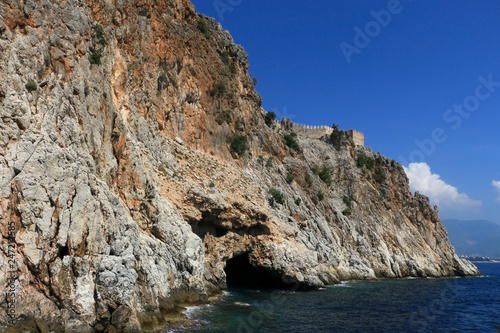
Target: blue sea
point(405, 305)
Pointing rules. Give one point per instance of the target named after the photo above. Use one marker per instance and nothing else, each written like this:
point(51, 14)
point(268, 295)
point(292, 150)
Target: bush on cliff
point(276, 196)
point(31, 86)
point(291, 140)
point(203, 27)
point(269, 118)
point(239, 144)
point(364, 160)
point(335, 132)
point(325, 175)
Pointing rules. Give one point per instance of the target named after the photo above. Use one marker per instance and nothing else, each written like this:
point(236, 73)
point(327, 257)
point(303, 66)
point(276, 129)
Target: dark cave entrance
point(240, 273)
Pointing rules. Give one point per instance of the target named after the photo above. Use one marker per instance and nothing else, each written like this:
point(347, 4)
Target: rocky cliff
point(138, 174)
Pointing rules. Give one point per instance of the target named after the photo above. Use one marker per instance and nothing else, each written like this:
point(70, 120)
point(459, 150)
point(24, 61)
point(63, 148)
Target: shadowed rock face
point(125, 199)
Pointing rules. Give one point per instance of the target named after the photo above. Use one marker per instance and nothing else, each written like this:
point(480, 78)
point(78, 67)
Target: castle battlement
point(317, 132)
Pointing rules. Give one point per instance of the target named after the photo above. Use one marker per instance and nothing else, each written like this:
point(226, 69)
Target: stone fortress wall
point(317, 132)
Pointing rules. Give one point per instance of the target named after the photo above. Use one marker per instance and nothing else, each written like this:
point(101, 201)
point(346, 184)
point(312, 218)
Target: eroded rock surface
point(127, 200)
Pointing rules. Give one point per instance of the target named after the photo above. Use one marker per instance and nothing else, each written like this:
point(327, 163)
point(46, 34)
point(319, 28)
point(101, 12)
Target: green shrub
point(325, 175)
point(99, 34)
point(224, 116)
point(347, 200)
point(239, 144)
point(364, 160)
point(321, 196)
point(335, 132)
point(99, 31)
point(31, 86)
point(269, 118)
point(379, 175)
point(347, 211)
point(277, 196)
point(269, 162)
point(289, 178)
point(95, 58)
point(212, 184)
point(233, 69)
point(225, 57)
point(261, 160)
point(218, 89)
point(203, 27)
point(291, 140)
point(298, 201)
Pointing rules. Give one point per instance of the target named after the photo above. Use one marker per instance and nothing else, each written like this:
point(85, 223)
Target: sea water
point(405, 305)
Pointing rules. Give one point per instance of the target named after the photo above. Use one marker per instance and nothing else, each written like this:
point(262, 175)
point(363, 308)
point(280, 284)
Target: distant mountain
point(479, 237)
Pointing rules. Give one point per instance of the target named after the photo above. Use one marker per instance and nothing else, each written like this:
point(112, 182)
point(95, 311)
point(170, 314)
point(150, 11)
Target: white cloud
point(496, 184)
point(440, 193)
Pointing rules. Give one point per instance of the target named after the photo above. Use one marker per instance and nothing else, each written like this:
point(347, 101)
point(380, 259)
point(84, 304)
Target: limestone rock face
point(126, 199)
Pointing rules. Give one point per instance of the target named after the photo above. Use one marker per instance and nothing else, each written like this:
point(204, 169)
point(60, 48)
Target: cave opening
point(240, 273)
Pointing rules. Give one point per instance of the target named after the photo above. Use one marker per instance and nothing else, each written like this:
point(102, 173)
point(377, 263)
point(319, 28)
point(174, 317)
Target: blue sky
point(421, 81)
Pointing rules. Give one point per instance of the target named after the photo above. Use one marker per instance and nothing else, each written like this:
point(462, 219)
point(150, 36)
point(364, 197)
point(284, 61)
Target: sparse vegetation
point(269, 163)
point(218, 89)
point(48, 60)
point(298, 201)
point(225, 57)
point(364, 160)
point(269, 118)
point(277, 196)
point(261, 159)
point(335, 132)
point(233, 69)
point(239, 144)
point(95, 58)
point(224, 116)
point(291, 140)
point(254, 81)
point(325, 175)
point(321, 196)
point(348, 201)
point(99, 33)
point(212, 184)
point(347, 212)
point(203, 27)
point(290, 178)
point(379, 175)
point(31, 86)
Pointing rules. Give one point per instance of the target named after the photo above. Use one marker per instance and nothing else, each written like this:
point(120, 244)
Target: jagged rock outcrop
point(118, 180)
